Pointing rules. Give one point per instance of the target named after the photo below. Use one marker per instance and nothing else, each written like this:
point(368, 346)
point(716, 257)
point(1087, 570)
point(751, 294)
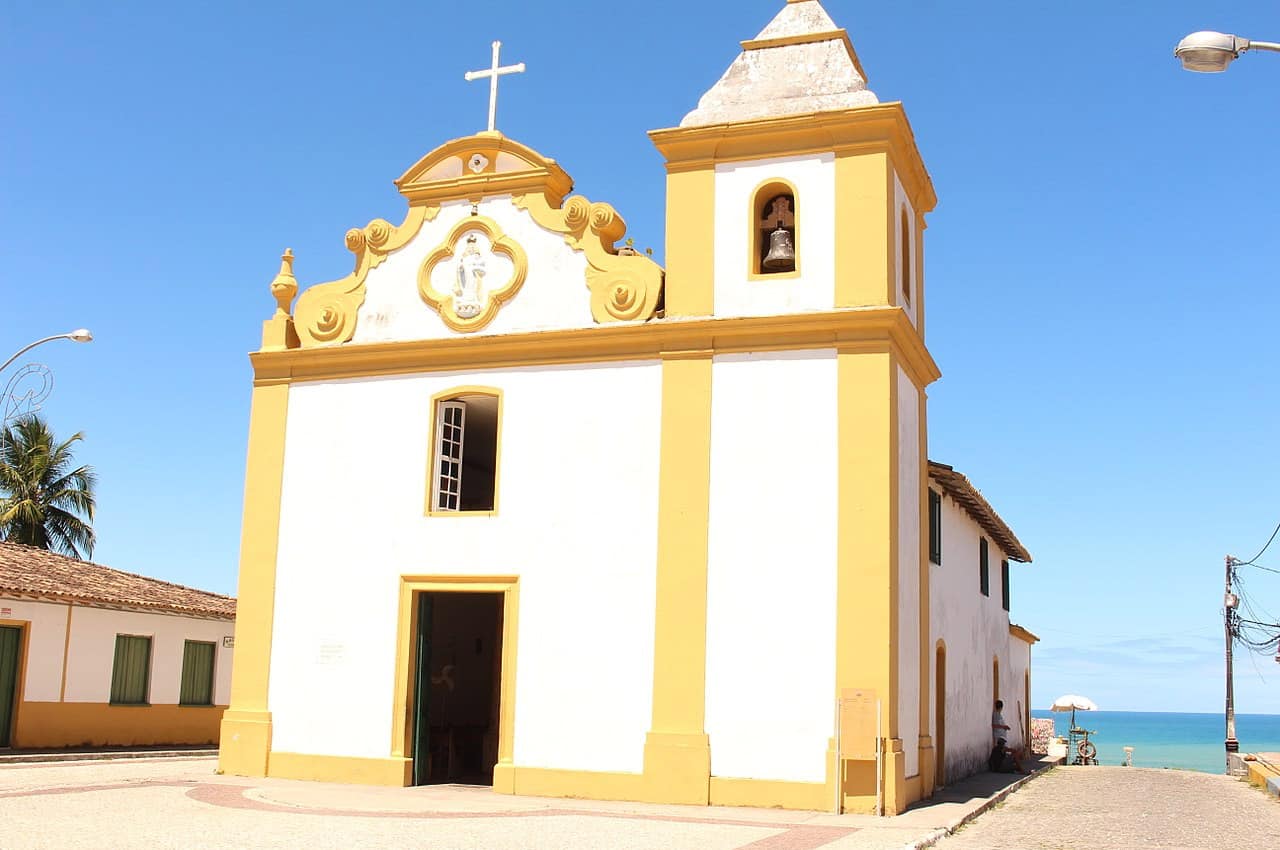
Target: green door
point(10, 644)
point(422, 693)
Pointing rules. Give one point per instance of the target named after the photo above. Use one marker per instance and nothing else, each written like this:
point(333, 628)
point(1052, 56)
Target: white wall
point(45, 640)
point(771, 572)
point(92, 651)
point(976, 630)
point(576, 521)
point(909, 571)
point(93, 639)
point(814, 289)
point(1014, 688)
point(554, 295)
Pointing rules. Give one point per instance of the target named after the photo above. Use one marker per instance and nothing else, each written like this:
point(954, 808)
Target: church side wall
point(812, 285)
point(352, 523)
point(772, 565)
point(909, 572)
point(1014, 690)
point(975, 629)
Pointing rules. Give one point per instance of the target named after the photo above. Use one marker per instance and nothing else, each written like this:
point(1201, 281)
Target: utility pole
point(1229, 603)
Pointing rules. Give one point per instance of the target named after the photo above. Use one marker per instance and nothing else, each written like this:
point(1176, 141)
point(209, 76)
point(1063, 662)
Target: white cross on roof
point(492, 74)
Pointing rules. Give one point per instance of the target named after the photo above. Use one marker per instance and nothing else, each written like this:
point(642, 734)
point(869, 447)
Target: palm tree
point(43, 502)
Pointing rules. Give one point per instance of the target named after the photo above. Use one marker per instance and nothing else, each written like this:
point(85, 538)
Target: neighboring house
point(979, 656)
point(91, 656)
point(524, 508)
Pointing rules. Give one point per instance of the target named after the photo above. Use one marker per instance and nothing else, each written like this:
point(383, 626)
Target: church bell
point(782, 252)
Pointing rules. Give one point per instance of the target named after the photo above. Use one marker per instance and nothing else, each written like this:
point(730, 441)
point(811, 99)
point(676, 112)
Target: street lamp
point(1211, 52)
point(79, 335)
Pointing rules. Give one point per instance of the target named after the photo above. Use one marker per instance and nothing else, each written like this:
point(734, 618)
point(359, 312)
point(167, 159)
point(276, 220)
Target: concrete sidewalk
point(101, 753)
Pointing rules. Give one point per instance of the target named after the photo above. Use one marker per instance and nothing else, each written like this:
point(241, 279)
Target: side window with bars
point(1004, 584)
point(935, 527)
point(984, 568)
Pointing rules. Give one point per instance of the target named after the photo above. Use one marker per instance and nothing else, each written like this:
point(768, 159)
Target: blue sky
point(1101, 265)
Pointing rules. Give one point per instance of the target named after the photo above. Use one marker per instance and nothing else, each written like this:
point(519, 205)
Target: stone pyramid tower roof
point(801, 62)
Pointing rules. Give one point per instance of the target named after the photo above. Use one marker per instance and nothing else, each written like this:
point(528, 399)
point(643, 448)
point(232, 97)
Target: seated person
point(1003, 760)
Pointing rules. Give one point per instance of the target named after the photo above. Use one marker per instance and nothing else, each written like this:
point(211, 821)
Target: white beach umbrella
point(1072, 703)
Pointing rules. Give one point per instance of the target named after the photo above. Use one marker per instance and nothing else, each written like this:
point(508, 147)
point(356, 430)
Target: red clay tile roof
point(967, 496)
point(27, 571)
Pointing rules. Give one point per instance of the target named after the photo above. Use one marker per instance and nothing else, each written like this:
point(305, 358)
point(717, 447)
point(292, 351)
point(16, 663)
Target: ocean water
point(1166, 739)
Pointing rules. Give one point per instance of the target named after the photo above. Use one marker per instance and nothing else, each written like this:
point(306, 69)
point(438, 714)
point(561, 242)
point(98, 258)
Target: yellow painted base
point(677, 768)
point(92, 724)
point(1261, 771)
point(504, 778)
point(859, 778)
point(927, 768)
point(578, 784)
point(246, 743)
point(766, 794)
point(393, 772)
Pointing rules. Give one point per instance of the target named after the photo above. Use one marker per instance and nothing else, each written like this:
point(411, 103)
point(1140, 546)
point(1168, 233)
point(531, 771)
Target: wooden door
point(422, 693)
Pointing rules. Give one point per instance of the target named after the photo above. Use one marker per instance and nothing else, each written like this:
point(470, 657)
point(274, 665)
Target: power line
point(1250, 562)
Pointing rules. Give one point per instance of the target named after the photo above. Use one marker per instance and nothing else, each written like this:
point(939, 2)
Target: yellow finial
point(285, 286)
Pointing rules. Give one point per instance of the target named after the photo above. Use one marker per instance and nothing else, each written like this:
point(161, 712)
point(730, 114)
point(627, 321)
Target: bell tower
point(793, 192)
point(791, 187)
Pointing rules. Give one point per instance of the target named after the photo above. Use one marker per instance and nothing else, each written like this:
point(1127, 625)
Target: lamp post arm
point(1274, 47)
point(26, 348)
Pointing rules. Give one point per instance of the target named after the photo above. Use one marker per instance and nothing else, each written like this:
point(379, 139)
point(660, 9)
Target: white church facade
point(584, 560)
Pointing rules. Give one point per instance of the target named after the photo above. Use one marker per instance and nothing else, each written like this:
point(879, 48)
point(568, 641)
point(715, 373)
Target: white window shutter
point(451, 419)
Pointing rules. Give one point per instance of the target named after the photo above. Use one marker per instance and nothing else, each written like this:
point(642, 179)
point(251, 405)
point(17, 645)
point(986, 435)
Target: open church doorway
point(457, 691)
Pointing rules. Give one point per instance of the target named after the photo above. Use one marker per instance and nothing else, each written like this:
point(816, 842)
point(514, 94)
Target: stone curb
point(102, 755)
point(942, 832)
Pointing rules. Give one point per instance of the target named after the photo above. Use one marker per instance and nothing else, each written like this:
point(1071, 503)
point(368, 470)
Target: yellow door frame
point(402, 717)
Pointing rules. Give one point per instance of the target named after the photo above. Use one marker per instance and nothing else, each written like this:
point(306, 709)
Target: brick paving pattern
point(182, 803)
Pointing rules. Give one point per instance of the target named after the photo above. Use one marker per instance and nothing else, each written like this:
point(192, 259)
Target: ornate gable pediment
point(491, 213)
point(485, 164)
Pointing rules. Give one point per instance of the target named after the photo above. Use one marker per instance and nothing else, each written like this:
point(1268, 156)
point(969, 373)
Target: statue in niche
point(468, 289)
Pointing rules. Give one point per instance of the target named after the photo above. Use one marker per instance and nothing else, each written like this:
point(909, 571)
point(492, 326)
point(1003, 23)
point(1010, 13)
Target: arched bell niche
point(775, 235)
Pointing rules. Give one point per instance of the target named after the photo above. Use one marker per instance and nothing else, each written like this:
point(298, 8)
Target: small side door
point(10, 649)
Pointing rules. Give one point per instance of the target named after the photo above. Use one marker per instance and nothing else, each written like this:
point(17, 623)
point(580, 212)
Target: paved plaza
point(182, 803)
point(1118, 808)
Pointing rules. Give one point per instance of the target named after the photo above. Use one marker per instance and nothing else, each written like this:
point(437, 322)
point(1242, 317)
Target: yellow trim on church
point(872, 339)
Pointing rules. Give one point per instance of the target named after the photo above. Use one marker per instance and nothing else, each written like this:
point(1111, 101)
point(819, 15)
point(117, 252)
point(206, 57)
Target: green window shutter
point(984, 568)
point(1004, 584)
point(132, 670)
point(935, 528)
point(197, 673)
